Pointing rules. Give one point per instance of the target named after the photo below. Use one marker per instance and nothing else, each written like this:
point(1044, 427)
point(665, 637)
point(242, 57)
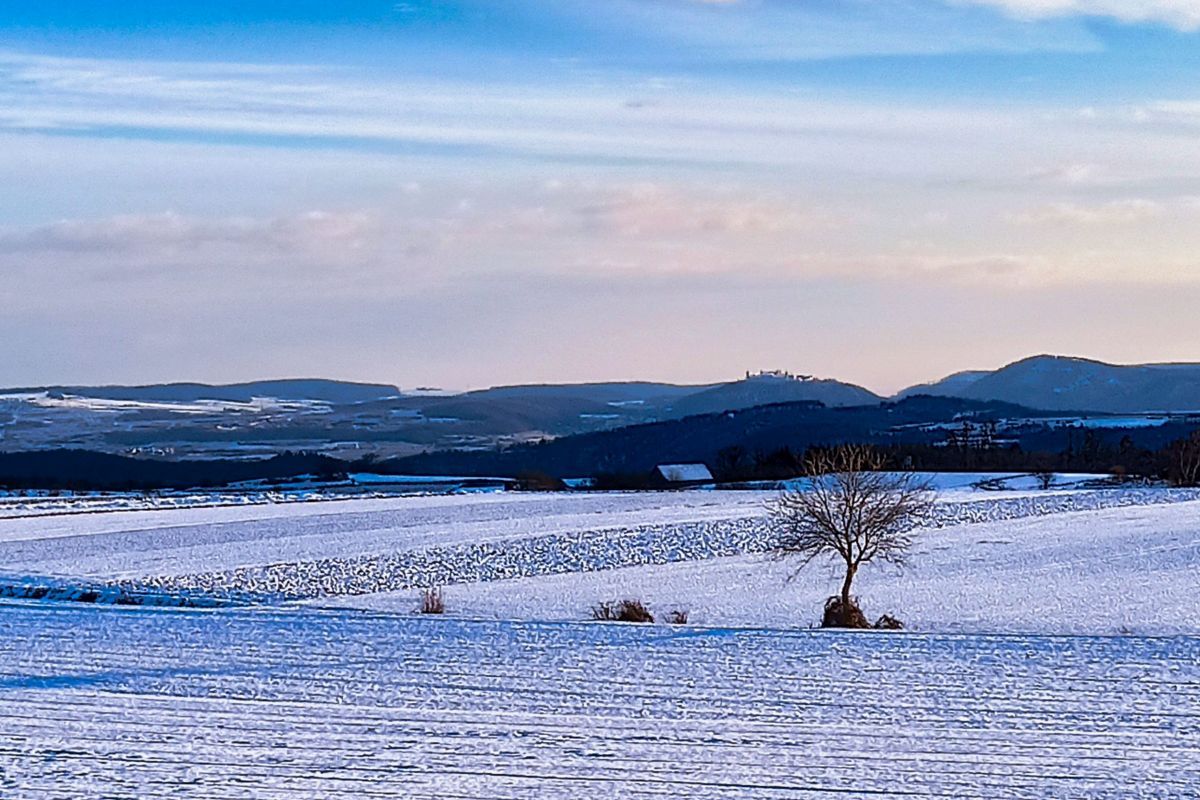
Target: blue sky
point(470, 193)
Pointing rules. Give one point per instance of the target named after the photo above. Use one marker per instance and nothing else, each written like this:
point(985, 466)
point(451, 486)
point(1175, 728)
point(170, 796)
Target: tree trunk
point(850, 570)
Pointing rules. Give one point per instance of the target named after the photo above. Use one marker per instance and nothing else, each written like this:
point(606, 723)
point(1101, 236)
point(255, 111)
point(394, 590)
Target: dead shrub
point(843, 615)
point(678, 616)
point(888, 623)
point(623, 611)
point(605, 611)
point(432, 601)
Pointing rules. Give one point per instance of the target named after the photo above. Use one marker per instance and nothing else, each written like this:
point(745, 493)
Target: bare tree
point(1184, 469)
point(853, 513)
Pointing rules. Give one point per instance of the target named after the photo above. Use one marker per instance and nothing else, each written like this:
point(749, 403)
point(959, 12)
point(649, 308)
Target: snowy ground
point(1115, 571)
point(41, 503)
point(130, 544)
point(298, 703)
point(361, 486)
point(1031, 561)
point(511, 695)
point(36, 503)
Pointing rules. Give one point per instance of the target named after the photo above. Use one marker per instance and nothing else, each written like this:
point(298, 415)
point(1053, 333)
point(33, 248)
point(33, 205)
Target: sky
point(467, 193)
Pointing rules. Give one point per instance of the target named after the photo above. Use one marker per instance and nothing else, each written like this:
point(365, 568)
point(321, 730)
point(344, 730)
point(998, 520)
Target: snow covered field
point(1029, 561)
point(174, 542)
point(360, 486)
point(36, 503)
point(300, 703)
point(513, 695)
point(1121, 570)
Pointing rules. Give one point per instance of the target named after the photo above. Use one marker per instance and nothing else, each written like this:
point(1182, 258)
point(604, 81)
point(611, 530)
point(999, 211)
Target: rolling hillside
point(760, 390)
point(1060, 383)
point(319, 389)
point(638, 448)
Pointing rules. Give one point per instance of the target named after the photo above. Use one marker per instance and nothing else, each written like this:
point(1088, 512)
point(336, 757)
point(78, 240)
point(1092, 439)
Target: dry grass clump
point(432, 601)
point(678, 616)
point(622, 611)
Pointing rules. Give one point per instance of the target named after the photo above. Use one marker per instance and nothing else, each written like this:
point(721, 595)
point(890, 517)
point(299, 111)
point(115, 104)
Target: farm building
point(677, 475)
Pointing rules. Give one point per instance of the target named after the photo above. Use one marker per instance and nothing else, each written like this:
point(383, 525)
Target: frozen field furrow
point(178, 542)
point(102, 702)
point(994, 562)
point(138, 543)
point(1120, 570)
point(689, 534)
point(42, 504)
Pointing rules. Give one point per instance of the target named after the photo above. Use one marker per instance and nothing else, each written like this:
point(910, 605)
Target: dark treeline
point(636, 449)
point(82, 470)
point(766, 443)
point(769, 443)
point(1177, 462)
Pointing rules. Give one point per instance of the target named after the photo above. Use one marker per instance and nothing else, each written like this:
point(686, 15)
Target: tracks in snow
point(302, 703)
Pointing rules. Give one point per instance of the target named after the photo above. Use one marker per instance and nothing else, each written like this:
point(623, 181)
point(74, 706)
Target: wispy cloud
point(585, 118)
point(755, 173)
point(650, 209)
point(168, 233)
point(1115, 212)
point(1182, 14)
point(783, 30)
point(1075, 174)
point(590, 118)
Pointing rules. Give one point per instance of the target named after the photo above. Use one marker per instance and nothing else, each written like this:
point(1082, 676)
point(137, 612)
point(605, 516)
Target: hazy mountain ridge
point(599, 392)
point(317, 389)
point(760, 390)
point(918, 420)
point(949, 386)
point(350, 419)
point(1062, 383)
point(188, 420)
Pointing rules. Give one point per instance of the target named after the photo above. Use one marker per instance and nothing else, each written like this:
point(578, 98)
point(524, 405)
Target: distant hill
point(505, 414)
point(1060, 383)
point(566, 409)
point(759, 390)
point(629, 392)
point(949, 386)
point(639, 448)
point(556, 409)
point(329, 391)
point(350, 419)
point(227, 444)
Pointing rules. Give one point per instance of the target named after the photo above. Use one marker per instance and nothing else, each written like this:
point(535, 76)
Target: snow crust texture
point(584, 550)
point(299, 703)
point(1117, 571)
point(16, 504)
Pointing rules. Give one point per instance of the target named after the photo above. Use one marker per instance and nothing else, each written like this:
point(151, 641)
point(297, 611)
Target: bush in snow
point(843, 613)
point(623, 611)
